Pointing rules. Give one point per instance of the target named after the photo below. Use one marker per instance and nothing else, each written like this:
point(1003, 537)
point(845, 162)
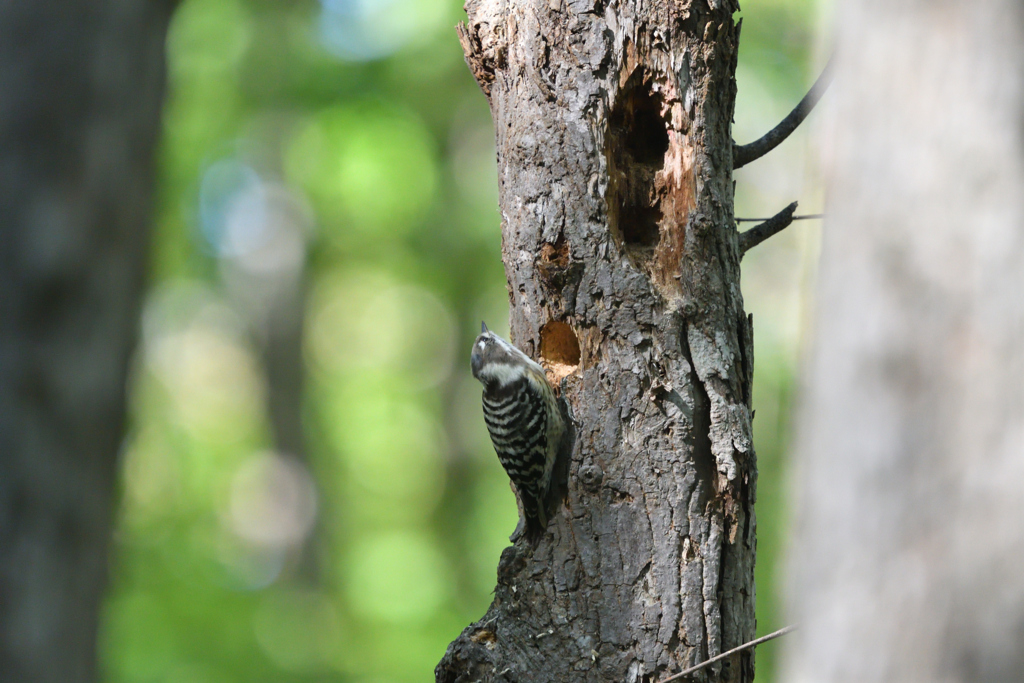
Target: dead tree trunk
point(911, 447)
point(615, 163)
point(81, 87)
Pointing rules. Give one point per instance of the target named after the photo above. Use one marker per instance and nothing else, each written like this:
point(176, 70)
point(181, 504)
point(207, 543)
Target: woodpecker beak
point(483, 327)
point(475, 361)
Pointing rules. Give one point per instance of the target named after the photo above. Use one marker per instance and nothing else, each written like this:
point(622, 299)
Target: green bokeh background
point(351, 135)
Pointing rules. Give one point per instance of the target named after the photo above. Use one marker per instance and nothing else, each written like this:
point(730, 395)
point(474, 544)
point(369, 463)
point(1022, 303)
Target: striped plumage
point(524, 421)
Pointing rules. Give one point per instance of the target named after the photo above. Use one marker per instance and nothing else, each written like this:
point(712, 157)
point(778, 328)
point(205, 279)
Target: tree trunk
point(81, 86)
point(271, 295)
point(911, 527)
point(615, 164)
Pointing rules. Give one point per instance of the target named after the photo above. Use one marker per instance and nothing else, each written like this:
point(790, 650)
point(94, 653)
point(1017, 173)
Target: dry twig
point(744, 154)
point(718, 658)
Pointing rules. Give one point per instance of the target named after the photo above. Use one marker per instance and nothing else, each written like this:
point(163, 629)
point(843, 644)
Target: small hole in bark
point(637, 143)
point(555, 255)
point(559, 349)
point(621, 496)
point(553, 263)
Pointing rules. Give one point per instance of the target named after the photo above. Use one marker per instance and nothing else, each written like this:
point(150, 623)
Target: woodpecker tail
point(533, 518)
point(536, 525)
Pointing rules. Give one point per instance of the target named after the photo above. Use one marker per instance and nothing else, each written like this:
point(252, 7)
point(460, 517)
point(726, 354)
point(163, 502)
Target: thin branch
point(805, 217)
point(730, 653)
point(744, 154)
point(759, 233)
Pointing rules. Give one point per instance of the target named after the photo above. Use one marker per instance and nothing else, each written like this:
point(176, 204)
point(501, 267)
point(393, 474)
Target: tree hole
point(559, 349)
point(645, 135)
point(639, 224)
point(637, 142)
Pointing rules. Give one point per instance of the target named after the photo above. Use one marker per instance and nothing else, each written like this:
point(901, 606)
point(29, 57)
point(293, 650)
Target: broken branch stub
point(744, 154)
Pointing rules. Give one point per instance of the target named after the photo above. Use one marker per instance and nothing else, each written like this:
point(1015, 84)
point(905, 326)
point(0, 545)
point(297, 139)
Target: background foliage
point(328, 204)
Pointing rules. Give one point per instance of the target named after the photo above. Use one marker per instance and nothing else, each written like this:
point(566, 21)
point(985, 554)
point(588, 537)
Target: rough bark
point(911, 445)
point(81, 86)
point(615, 163)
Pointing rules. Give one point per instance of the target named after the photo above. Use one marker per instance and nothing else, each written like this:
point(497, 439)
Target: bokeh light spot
point(246, 566)
point(368, 167)
point(207, 37)
point(369, 321)
point(151, 476)
point(273, 501)
point(232, 208)
point(370, 29)
point(399, 576)
point(298, 629)
point(213, 380)
point(392, 449)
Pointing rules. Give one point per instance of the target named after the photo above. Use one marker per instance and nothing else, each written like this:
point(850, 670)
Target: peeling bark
point(615, 164)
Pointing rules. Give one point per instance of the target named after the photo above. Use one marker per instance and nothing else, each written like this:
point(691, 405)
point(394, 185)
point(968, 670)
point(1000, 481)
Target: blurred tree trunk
point(271, 295)
point(81, 86)
point(615, 163)
point(911, 527)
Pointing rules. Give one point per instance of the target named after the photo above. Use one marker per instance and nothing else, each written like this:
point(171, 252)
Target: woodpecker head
point(496, 363)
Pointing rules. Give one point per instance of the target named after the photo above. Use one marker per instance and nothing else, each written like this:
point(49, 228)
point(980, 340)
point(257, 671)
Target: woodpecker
point(524, 420)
